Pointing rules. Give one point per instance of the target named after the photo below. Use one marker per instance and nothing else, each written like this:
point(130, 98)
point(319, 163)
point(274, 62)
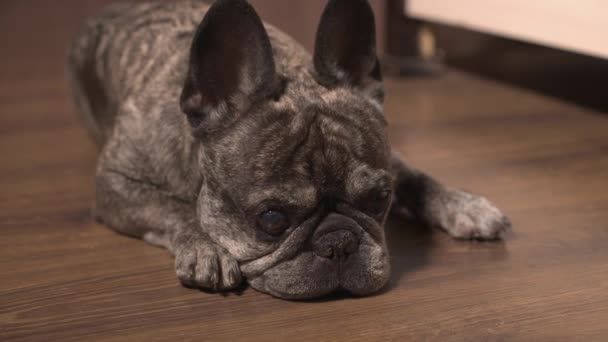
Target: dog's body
point(227, 144)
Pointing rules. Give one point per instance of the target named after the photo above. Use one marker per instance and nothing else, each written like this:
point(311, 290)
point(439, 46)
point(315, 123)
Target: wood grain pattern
point(544, 162)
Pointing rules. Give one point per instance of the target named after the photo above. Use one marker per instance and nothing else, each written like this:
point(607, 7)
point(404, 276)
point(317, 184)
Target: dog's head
point(295, 156)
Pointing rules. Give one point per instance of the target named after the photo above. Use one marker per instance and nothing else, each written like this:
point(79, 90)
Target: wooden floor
point(544, 162)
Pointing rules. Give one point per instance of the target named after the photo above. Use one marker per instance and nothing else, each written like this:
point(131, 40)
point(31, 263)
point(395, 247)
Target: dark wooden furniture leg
point(410, 43)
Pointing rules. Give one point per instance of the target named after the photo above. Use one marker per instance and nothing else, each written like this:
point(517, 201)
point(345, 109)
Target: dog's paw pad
point(467, 216)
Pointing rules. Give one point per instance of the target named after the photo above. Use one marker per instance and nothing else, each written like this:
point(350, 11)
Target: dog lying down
point(248, 159)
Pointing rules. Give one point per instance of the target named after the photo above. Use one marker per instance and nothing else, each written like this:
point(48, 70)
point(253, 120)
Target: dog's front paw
point(201, 263)
point(467, 216)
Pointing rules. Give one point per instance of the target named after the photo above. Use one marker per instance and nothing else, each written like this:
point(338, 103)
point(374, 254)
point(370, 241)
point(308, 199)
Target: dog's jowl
point(224, 141)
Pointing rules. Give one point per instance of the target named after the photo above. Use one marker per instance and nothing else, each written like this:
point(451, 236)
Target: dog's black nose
point(336, 244)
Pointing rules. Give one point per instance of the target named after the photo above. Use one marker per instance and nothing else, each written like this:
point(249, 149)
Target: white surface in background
point(577, 25)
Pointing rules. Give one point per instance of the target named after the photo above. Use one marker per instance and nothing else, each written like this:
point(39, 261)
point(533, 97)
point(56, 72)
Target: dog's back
point(139, 52)
point(126, 49)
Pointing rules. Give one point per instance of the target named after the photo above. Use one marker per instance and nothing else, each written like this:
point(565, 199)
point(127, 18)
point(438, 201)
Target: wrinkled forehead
point(323, 148)
point(307, 193)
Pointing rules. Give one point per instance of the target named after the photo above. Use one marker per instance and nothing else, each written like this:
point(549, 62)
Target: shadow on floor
point(409, 244)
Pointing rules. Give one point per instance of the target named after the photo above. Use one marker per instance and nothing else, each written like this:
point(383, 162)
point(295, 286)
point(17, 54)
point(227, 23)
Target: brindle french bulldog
point(226, 143)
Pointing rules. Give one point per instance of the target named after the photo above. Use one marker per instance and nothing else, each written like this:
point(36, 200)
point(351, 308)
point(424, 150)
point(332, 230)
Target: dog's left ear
point(345, 48)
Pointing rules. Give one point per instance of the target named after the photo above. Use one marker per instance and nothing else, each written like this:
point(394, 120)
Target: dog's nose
point(336, 244)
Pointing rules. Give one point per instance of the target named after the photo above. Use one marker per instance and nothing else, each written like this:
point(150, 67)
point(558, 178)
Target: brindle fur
point(310, 137)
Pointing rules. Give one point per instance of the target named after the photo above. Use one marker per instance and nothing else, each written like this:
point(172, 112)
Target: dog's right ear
point(231, 67)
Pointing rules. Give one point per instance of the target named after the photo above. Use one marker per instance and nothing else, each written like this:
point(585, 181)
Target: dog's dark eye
point(378, 201)
point(194, 118)
point(273, 222)
point(383, 195)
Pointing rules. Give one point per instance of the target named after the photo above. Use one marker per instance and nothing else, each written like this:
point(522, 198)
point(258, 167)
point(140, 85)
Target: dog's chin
point(309, 276)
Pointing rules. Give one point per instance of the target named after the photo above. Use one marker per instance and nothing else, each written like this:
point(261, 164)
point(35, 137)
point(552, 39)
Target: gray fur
point(317, 149)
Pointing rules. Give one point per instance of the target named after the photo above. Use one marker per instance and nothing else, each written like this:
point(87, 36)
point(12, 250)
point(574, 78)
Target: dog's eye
point(273, 222)
point(195, 118)
point(378, 201)
point(383, 195)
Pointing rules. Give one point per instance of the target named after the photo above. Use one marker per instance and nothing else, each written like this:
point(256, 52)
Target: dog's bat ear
point(345, 48)
point(231, 66)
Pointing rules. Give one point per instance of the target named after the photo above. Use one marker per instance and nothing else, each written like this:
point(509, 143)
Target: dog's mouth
point(309, 275)
point(320, 257)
